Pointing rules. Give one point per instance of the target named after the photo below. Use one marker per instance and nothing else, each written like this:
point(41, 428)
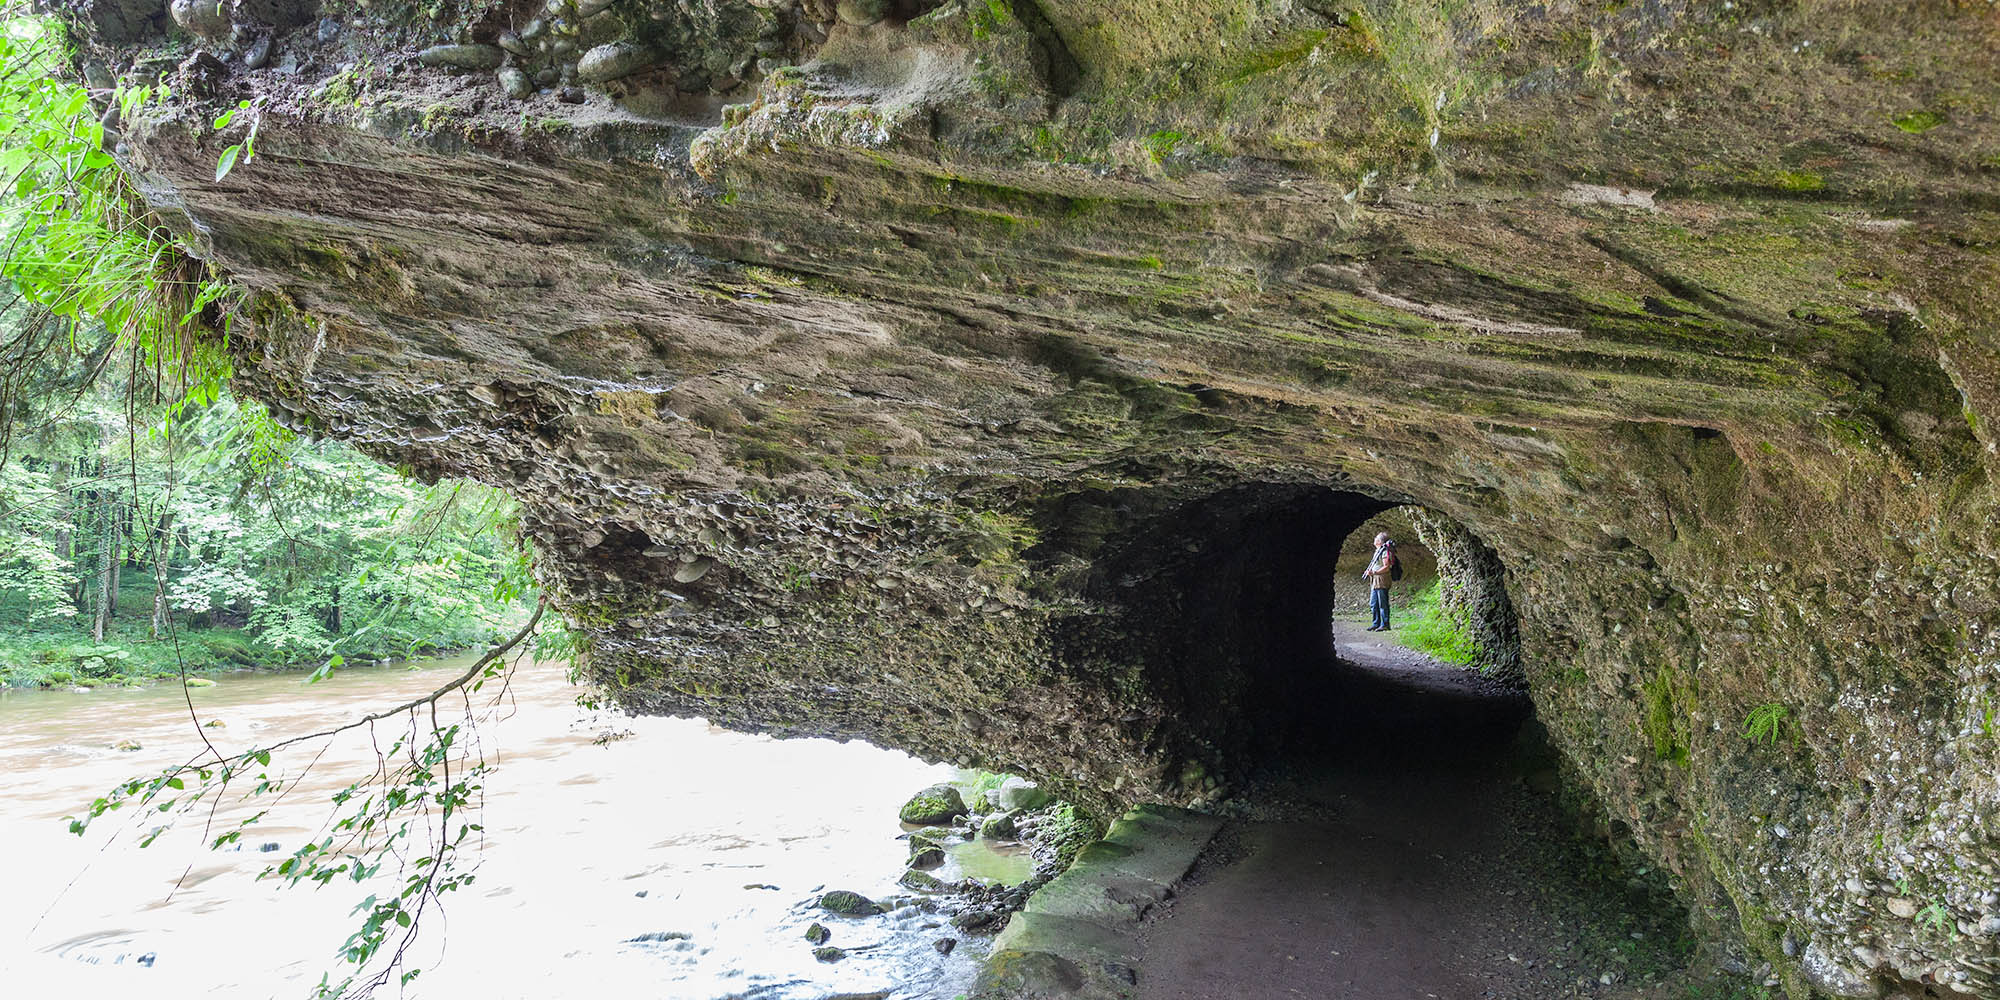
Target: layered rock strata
point(997, 379)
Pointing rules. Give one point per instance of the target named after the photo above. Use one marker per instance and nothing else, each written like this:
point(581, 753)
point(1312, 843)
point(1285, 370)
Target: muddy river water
point(656, 858)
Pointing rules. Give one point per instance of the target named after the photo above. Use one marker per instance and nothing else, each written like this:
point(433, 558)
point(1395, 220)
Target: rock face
point(925, 382)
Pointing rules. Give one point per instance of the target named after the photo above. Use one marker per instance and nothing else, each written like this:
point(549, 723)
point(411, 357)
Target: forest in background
point(138, 535)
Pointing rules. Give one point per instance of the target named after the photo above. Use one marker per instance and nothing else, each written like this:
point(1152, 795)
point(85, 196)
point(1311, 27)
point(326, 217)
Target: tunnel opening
point(1222, 606)
point(1373, 796)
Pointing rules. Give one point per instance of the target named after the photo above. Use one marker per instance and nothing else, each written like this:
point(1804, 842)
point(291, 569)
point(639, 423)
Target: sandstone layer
point(997, 379)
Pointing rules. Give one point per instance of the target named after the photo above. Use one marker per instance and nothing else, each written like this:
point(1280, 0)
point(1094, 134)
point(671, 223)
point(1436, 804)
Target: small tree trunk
point(106, 559)
point(163, 560)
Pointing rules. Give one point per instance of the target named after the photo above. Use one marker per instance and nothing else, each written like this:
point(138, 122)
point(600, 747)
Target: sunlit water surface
point(710, 843)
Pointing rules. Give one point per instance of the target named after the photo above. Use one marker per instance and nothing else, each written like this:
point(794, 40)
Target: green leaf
point(228, 162)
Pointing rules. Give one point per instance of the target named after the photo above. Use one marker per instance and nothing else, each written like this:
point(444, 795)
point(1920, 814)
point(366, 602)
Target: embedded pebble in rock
point(205, 18)
point(513, 44)
point(462, 56)
point(515, 82)
point(1905, 908)
point(862, 13)
point(592, 8)
point(258, 54)
point(613, 61)
point(692, 571)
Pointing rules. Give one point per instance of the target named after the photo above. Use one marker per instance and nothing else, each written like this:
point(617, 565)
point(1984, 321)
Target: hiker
point(1381, 570)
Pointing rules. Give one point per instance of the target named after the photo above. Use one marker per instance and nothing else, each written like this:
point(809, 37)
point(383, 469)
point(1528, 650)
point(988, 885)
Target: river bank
point(621, 857)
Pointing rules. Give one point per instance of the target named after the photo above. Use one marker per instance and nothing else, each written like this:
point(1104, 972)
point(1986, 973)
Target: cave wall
point(955, 376)
point(1473, 593)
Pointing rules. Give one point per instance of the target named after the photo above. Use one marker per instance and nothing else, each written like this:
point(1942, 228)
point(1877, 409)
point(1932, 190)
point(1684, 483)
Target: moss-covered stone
point(936, 804)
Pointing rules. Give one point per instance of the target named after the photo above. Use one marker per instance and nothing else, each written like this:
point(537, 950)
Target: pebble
point(258, 54)
point(462, 56)
point(612, 61)
point(592, 8)
point(201, 17)
point(861, 13)
point(329, 29)
point(513, 43)
point(515, 82)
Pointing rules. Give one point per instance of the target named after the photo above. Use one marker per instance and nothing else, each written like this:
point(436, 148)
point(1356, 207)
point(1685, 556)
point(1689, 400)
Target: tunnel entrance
point(1222, 606)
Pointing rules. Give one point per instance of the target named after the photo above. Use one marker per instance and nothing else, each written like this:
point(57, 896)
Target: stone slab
point(1078, 935)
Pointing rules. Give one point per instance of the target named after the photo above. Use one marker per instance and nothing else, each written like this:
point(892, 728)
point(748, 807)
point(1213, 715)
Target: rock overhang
point(930, 391)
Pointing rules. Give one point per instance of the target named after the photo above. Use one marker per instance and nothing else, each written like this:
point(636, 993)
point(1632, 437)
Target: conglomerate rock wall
point(996, 379)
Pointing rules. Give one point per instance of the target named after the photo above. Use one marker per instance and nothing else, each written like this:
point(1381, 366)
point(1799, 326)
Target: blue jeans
point(1378, 605)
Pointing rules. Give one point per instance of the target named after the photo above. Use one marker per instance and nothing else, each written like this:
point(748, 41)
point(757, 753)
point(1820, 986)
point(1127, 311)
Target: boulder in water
point(847, 903)
point(1017, 794)
point(936, 804)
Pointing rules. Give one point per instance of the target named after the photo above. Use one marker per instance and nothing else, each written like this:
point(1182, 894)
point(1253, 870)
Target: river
point(601, 831)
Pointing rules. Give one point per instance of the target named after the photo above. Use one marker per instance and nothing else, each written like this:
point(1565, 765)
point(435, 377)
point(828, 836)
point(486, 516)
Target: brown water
point(669, 826)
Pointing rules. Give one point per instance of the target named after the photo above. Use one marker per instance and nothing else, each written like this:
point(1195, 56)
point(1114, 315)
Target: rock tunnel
point(997, 381)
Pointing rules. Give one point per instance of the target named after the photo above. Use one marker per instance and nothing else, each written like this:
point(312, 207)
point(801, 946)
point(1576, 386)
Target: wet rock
point(656, 937)
point(862, 13)
point(936, 804)
point(829, 953)
point(514, 82)
point(944, 946)
point(922, 881)
point(127, 746)
point(468, 57)
point(847, 903)
point(206, 18)
point(818, 934)
point(613, 61)
point(199, 682)
point(999, 826)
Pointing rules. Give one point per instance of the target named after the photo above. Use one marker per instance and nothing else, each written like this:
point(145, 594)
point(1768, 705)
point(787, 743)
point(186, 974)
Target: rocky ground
point(1407, 862)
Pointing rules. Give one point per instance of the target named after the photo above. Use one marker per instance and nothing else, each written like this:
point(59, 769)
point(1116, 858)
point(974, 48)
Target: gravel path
point(1415, 859)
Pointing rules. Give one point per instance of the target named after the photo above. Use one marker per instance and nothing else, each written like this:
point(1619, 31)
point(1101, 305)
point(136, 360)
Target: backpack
point(1395, 565)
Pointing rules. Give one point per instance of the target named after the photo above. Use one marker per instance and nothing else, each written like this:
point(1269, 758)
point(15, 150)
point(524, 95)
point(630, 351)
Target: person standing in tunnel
point(1381, 570)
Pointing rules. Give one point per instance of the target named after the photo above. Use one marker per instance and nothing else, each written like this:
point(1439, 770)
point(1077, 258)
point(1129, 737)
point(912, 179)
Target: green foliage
point(1766, 723)
point(1918, 122)
point(1428, 628)
point(220, 524)
point(1669, 712)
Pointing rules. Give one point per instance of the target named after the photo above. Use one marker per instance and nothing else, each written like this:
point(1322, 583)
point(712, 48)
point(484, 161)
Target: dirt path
point(1416, 860)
